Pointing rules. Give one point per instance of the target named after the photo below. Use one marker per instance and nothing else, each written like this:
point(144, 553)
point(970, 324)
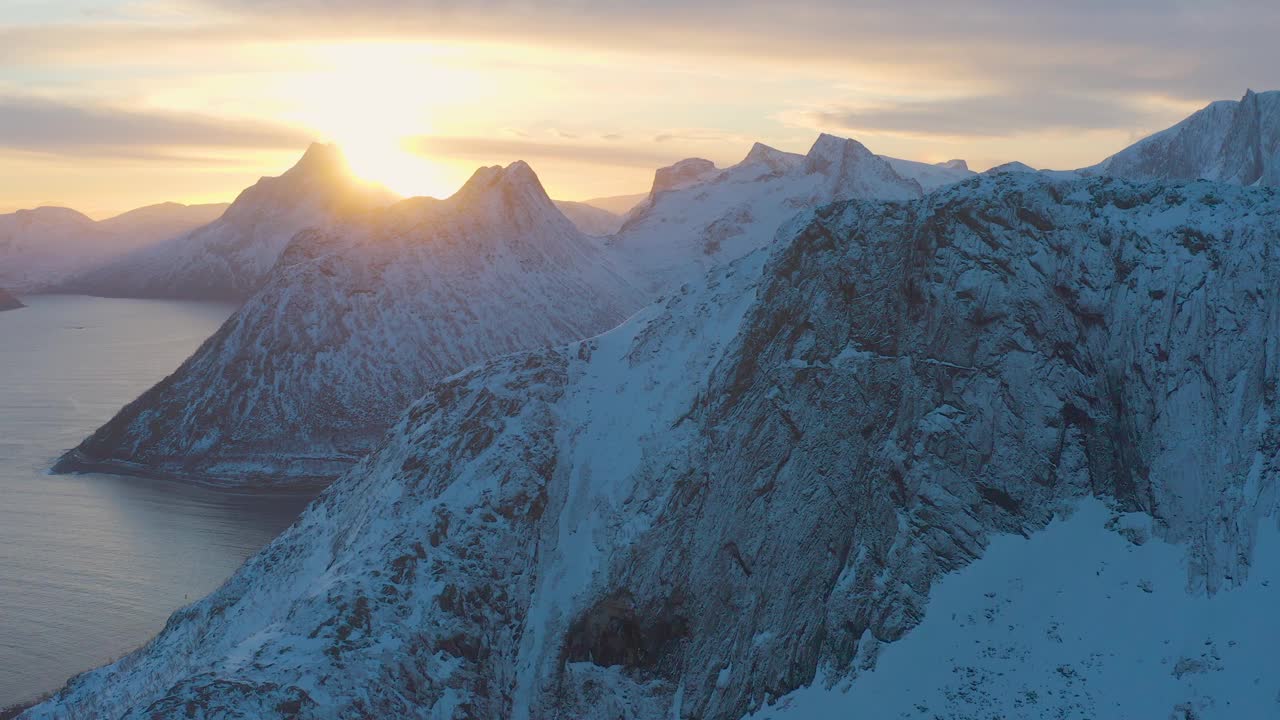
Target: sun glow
point(372, 100)
point(383, 160)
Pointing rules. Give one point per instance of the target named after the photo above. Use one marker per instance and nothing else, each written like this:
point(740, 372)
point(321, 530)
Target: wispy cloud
point(983, 116)
point(42, 125)
point(505, 150)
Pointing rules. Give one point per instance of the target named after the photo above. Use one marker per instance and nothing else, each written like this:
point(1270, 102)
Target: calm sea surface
point(91, 566)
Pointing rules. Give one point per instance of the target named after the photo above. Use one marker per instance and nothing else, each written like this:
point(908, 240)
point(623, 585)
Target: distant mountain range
point(698, 216)
point(353, 324)
point(46, 245)
point(358, 317)
point(560, 497)
point(753, 487)
point(229, 258)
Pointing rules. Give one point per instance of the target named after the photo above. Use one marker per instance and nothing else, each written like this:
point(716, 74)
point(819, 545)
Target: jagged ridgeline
point(231, 257)
point(358, 316)
point(353, 323)
point(1229, 141)
point(764, 475)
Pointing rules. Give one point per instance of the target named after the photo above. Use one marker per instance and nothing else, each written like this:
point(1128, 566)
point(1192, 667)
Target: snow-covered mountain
point(45, 245)
point(149, 224)
point(8, 301)
point(755, 485)
point(931, 176)
point(698, 216)
point(229, 258)
point(589, 218)
point(619, 205)
point(353, 324)
point(1235, 142)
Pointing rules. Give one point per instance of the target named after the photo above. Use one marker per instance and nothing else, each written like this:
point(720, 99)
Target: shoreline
point(75, 462)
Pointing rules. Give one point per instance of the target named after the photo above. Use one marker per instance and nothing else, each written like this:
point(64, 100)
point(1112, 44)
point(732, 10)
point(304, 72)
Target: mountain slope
point(617, 204)
point(698, 216)
point(162, 221)
point(931, 177)
point(589, 218)
point(1235, 142)
point(352, 325)
point(756, 483)
point(43, 247)
point(229, 258)
point(40, 245)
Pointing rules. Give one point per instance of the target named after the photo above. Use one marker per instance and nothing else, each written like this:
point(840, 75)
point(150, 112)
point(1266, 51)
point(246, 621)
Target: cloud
point(983, 116)
point(1183, 49)
point(505, 150)
point(41, 125)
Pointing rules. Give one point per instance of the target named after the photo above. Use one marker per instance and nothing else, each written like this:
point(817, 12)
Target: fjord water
point(92, 565)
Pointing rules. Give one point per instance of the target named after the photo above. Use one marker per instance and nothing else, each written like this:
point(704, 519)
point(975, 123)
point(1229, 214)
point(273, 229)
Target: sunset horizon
point(111, 105)
point(676, 360)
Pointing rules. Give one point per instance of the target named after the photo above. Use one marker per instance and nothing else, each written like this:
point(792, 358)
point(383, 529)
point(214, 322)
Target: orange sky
point(107, 105)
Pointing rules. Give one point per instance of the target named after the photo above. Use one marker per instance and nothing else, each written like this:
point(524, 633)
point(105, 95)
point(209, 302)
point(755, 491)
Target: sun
point(384, 160)
point(352, 97)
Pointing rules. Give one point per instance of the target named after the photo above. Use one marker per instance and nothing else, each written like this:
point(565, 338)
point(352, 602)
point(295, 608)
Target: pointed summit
point(855, 171)
point(516, 175)
point(772, 158)
point(1229, 141)
point(228, 259)
point(829, 150)
point(512, 190)
point(321, 158)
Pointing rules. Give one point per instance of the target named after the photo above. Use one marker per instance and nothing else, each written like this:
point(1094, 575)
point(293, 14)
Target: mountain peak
point(1014, 166)
point(321, 158)
point(956, 164)
point(827, 150)
point(55, 213)
point(514, 188)
point(517, 175)
point(689, 171)
point(772, 158)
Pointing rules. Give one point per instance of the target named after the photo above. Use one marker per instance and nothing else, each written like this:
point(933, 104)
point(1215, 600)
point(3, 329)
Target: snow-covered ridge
point(353, 324)
point(611, 528)
point(43, 246)
point(698, 216)
point(229, 258)
point(1235, 142)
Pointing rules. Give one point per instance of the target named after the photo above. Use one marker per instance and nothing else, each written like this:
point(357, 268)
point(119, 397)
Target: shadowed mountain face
point(765, 474)
point(1235, 142)
point(42, 247)
point(353, 324)
point(229, 258)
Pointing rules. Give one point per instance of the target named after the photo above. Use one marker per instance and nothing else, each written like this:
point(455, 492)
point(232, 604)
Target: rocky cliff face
point(1228, 141)
point(229, 258)
point(353, 324)
point(765, 475)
